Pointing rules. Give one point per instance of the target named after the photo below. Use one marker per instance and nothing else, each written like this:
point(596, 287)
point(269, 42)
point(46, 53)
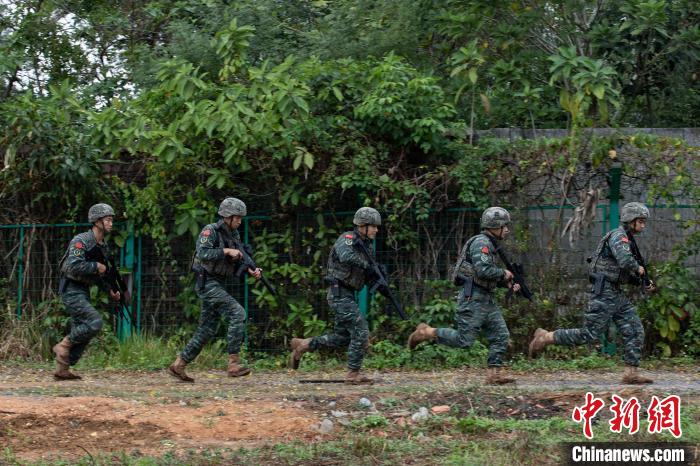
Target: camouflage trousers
point(472, 315)
point(85, 321)
point(350, 329)
point(216, 301)
point(613, 305)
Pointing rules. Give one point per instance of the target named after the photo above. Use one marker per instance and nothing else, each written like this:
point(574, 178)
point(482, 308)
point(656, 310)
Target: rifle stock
point(518, 272)
point(381, 284)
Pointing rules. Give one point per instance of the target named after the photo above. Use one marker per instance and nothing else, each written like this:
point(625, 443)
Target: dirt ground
point(152, 413)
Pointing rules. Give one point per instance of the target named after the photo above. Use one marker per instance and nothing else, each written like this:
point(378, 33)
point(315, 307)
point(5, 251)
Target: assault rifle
point(247, 262)
point(517, 270)
point(115, 281)
point(644, 280)
point(378, 273)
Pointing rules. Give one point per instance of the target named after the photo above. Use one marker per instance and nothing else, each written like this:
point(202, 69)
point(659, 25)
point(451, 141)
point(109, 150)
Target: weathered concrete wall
point(689, 135)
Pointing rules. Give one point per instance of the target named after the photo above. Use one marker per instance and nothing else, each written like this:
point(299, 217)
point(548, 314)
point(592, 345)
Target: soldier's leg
point(86, 322)
point(341, 335)
point(208, 321)
point(235, 334)
point(631, 329)
point(468, 320)
point(596, 319)
point(497, 335)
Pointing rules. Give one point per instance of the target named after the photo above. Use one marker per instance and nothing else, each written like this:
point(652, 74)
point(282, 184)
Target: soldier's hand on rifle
point(115, 295)
point(641, 271)
point(515, 287)
point(101, 269)
point(257, 273)
point(234, 254)
point(651, 287)
point(509, 276)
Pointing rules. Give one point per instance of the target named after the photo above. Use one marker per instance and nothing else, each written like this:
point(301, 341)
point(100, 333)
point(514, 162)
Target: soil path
point(153, 413)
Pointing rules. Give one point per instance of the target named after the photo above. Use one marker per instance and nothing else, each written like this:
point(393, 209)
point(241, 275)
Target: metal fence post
point(20, 271)
point(127, 261)
point(609, 346)
point(245, 284)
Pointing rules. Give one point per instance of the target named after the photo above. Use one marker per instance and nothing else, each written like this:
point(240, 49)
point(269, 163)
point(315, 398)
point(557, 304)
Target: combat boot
point(495, 376)
point(299, 347)
point(63, 372)
point(62, 351)
point(540, 340)
point(632, 377)
point(355, 378)
point(423, 332)
point(177, 369)
point(234, 366)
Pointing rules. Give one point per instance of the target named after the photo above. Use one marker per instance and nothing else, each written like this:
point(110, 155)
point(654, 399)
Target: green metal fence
point(161, 285)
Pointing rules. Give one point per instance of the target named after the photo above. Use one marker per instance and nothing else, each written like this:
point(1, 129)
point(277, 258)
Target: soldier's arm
point(483, 258)
point(619, 244)
point(76, 263)
point(205, 246)
point(349, 255)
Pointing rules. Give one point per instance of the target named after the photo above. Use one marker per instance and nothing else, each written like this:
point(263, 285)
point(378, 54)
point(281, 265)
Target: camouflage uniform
point(214, 268)
point(477, 261)
point(77, 275)
point(347, 268)
point(614, 260)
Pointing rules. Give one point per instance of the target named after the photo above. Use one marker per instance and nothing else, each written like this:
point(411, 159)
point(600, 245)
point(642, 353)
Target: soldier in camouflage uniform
point(77, 275)
point(214, 261)
point(347, 273)
point(611, 266)
point(476, 268)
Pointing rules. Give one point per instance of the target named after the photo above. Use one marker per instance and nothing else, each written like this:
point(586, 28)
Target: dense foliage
point(164, 107)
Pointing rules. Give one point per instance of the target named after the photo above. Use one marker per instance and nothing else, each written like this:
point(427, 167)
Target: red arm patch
point(78, 245)
point(206, 233)
point(348, 236)
point(625, 239)
point(485, 250)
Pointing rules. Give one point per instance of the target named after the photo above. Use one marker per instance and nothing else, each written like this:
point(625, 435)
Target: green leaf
point(472, 75)
point(297, 161)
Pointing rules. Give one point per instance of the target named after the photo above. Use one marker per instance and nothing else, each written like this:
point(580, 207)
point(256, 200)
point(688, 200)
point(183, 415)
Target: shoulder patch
point(348, 239)
point(79, 245)
point(206, 232)
point(625, 239)
point(348, 236)
point(485, 250)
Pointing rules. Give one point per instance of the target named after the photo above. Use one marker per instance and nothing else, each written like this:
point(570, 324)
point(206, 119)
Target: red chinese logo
point(665, 415)
point(625, 415)
point(587, 412)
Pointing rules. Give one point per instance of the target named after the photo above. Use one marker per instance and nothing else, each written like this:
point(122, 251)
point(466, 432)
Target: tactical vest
point(349, 275)
point(464, 266)
point(89, 242)
point(603, 261)
point(224, 267)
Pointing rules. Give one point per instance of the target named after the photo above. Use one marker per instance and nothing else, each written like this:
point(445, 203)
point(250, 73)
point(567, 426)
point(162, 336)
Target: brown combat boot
point(177, 369)
point(234, 367)
point(495, 376)
point(299, 347)
point(540, 340)
point(632, 377)
point(423, 332)
point(63, 372)
point(355, 378)
point(62, 351)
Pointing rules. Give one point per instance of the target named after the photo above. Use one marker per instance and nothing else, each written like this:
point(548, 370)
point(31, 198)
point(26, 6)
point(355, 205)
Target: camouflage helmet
point(495, 217)
point(98, 211)
point(367, 216)
point(632, 211)
point(232, 206)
